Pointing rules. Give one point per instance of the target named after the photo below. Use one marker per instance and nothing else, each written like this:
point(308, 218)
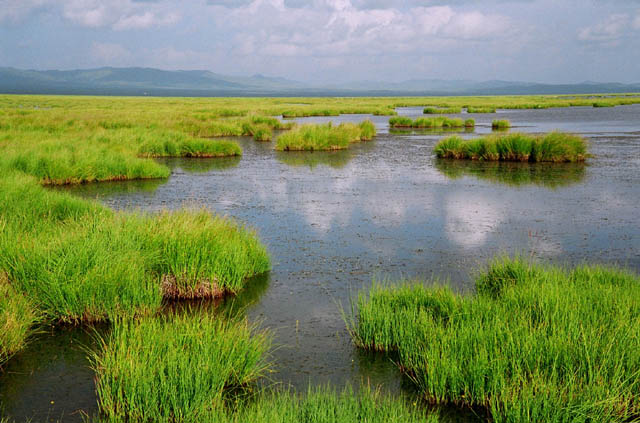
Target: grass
point(441, 110)
point(176, 145)
point(78, 261)
point(17, 316)
point(552, 147)
point(603, 104)
point(514, 174)
point(175, 368)
point(536, 343)
point(500, 124)
point(435, 122)
point(262, 133)
point(480, 109)
point(324, 137)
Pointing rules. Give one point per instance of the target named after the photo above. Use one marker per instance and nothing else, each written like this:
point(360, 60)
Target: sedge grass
point(262, 133)
point(441, 110)
point(500, 124)
point(435, 122)
point(324, 137)
point(175, 368)
point(552, 147)
point(534, 344)
point(480, 109)
point(189, 147)
point(17, 317)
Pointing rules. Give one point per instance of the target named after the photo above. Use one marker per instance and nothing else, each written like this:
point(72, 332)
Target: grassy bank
point(552, 147)
point(175, 368)
point(435, 122)
point(181, 146)
point(17, 316)
point(480, 109)
point(324, 137)
point(533, 344)
point(441, 110)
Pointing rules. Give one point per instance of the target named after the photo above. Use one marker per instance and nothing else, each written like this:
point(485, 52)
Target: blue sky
point(333, 40)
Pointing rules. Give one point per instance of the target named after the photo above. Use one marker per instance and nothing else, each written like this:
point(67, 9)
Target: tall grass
point(323, 137)
point(534, 344)
point(175, 368)
point(480, 109)
point(189, 147)
point(552, 147)
point(441, 110)
point(435, 122)
point(17, 316)
point(500, 124)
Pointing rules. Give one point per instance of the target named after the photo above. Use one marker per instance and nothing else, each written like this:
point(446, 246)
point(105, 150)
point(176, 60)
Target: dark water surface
point(385, 209)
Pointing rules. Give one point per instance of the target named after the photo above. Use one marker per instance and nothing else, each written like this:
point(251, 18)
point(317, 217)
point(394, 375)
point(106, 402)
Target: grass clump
point(480, 109)
point(262, 133)
point(553, 147)
point(535, 343)
point(500, 124)
point(17, 316)
point(435, 122)
point(324, 137)
point(603, 104)
point(175, 368)
point(181, 146)
point(441, 110)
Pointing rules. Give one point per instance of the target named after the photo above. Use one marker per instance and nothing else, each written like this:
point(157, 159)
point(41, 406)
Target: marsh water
point(386, 209)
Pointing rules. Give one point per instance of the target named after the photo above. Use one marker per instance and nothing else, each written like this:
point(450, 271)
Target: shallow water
point(385, 209)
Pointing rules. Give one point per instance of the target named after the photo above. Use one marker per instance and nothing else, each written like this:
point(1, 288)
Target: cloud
point(613, 28)
point(110, 53)
point(12, 10)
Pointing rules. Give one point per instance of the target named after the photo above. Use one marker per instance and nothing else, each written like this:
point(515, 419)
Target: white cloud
point(11, 10)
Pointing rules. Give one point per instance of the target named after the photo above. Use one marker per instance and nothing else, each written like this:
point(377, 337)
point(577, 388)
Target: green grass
point(441, 110)
point(435, 122)
point(262, 133)
point(78, 261)
point(17, 317)
point(500, 124)
point(181, 146)
point(324, 137)
point(603, 104)
point(480, 109)
point(535, 343)
point(553, 147)
point(175, 368)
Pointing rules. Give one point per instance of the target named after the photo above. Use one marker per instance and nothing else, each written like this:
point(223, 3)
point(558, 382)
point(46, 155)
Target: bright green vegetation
point(603, 104)
point(534, 343)
point(441, 110)
point(78, 261)
point(552, 147)
point(17, 317)
point(435, 122)
point(500, 124)
point(481, 109)
point(324, 137)
point(262, 133)
point(517, 174)
point(175, 368)
point(178, 146)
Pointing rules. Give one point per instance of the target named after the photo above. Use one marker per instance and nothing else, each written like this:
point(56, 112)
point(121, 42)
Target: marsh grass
point(189, 147)
point(480, 109)
point(435, 122)
point(324, 137)
point(552, 147)
point(500, 124)
point(441, 110)
point(262, 133)
point(17, 317)
point(535, 343)
point(175, 368)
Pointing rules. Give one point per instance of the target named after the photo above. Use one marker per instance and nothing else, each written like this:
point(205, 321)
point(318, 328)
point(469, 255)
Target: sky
point(333, 41)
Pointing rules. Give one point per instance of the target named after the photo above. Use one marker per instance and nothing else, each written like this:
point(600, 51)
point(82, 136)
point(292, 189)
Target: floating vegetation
point(176, 367)
point(515, 174)
point(534, 344)
point(441, 110)
point(552, 147)
point(500, 124)
point(323, 137)
point(435, 122)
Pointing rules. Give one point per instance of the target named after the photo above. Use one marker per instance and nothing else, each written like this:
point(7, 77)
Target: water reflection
point(113, 188)
point(549, 175)
point(201, 165)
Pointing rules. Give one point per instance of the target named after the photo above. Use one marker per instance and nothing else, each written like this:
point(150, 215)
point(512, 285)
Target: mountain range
point(156, 82)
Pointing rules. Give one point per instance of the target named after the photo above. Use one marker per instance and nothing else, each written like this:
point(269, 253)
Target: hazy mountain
point(148, 81)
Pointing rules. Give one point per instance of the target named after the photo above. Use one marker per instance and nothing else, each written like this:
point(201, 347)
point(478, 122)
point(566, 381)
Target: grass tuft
point(17, 317)
point(500, 124)
point(435, 122)
point(441, 110)
point(324, 137)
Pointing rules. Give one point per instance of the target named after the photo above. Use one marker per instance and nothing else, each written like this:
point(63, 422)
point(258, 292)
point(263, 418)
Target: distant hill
point(156, 82)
